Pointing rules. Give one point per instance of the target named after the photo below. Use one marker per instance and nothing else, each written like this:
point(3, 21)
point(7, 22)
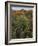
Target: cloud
point(19, 8)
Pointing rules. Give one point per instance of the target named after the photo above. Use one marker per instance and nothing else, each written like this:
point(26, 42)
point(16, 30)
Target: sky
point(19, 8)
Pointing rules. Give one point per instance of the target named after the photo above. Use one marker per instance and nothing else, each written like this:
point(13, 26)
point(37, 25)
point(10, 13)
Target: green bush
point(21, 26)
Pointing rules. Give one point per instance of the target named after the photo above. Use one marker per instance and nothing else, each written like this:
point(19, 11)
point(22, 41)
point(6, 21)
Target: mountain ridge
point(21, 12)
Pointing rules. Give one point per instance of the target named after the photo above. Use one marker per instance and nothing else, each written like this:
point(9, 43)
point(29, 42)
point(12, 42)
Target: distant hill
point(21, 12)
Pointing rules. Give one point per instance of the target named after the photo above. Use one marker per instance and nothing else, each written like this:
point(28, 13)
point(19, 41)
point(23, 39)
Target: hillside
point(21, 12)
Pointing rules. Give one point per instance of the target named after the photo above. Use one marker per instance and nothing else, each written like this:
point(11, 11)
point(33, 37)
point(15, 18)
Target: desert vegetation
point(21, 24)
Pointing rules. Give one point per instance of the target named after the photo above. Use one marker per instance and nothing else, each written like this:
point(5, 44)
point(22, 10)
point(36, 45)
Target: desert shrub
point(21, 26)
